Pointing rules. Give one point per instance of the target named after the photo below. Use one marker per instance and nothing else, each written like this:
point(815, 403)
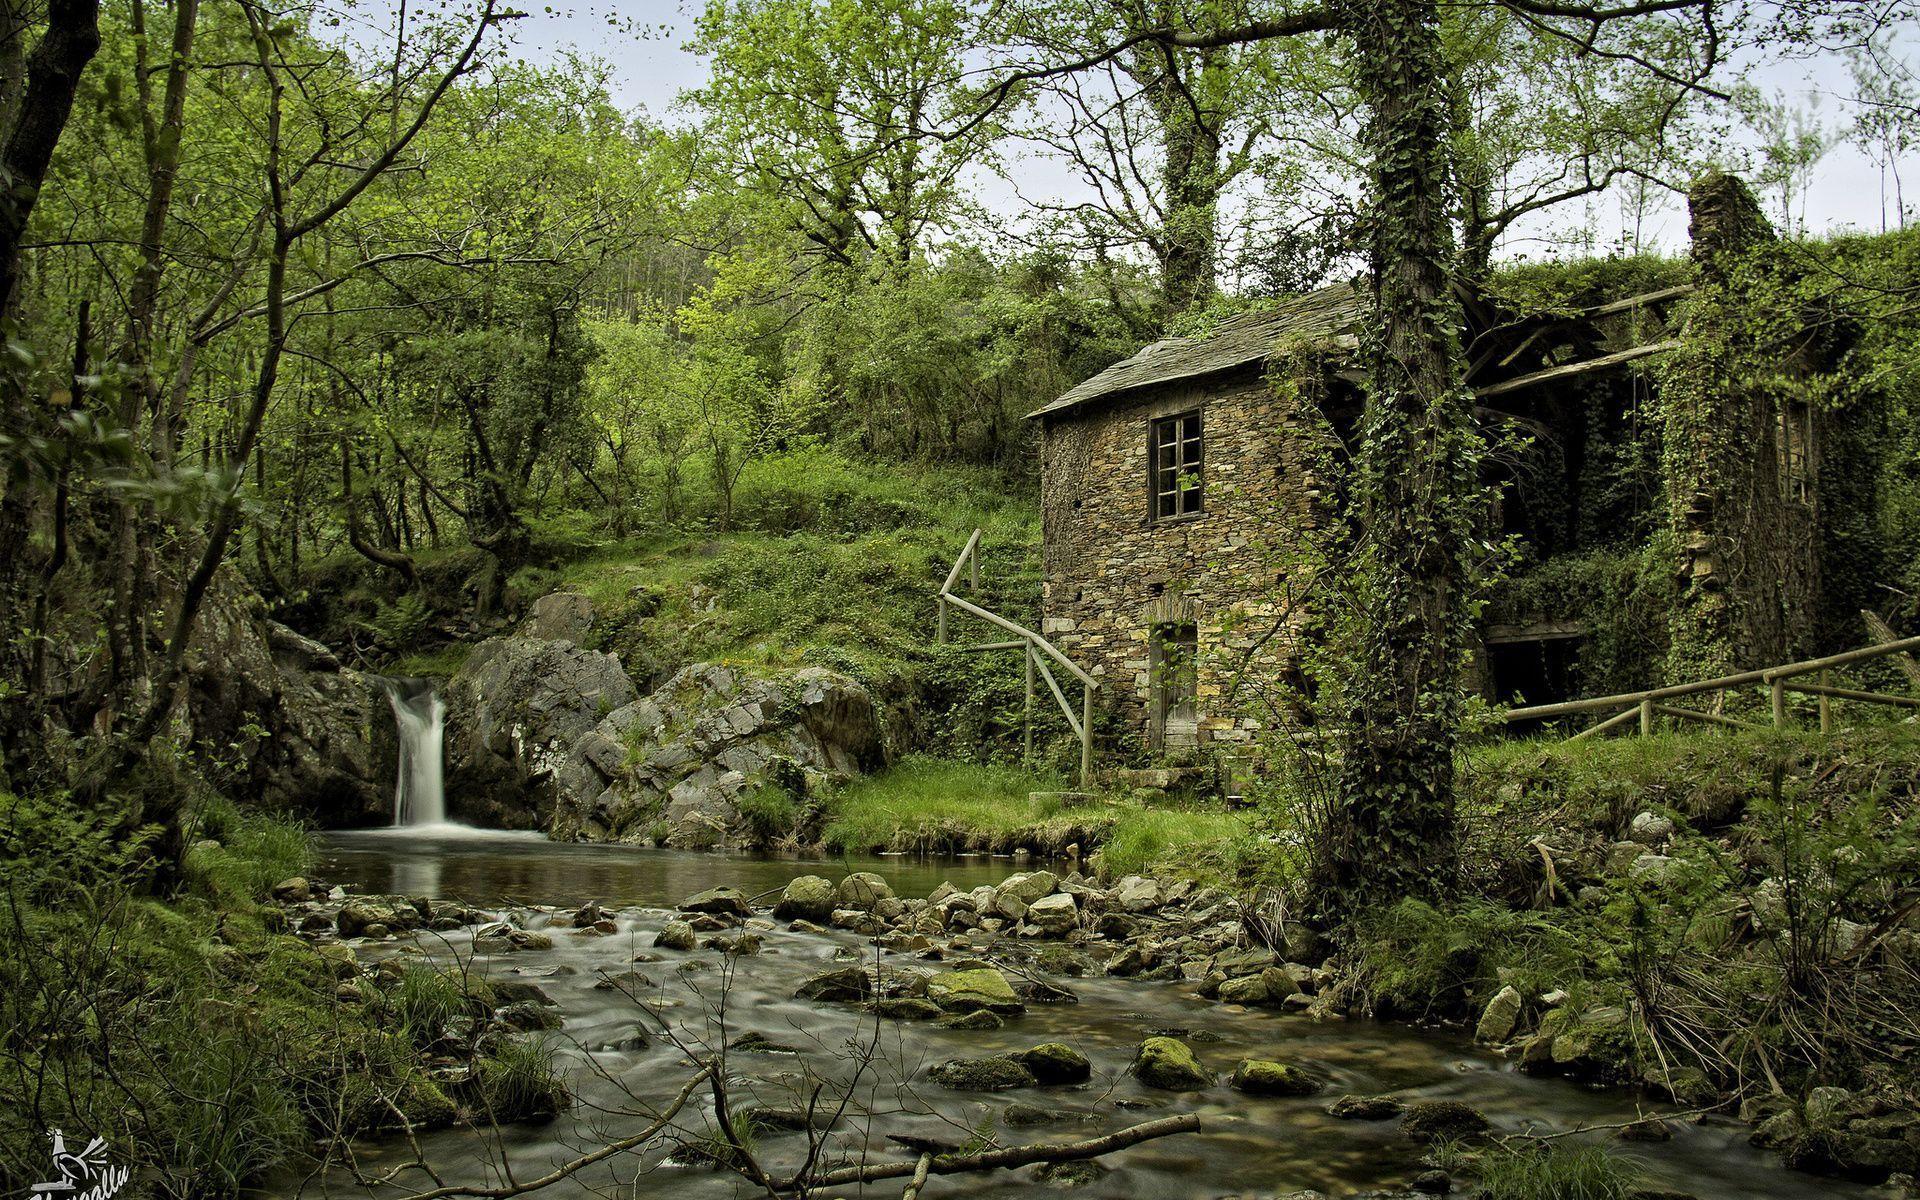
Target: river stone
point(843, 985)
point(1073, 1173)
point(974, 988)
point(1263, 1077)
point(907, 1008)
point(1500, 1016)
point(1249, 989)
point(1136, 893)
point(996, 1074)
point(862, 890)
point(363, 913)
point(1442, 1121)
point(1055, 914)
point(520, 991)
point(294, 890)
point(1055, 1062)
point(978, 1019)
point(808, 898)
point(677, 935)
point(528, 1017)
point(1168, 1063)
point(719, 901)
point(1028, 887)
point(1366, 1108)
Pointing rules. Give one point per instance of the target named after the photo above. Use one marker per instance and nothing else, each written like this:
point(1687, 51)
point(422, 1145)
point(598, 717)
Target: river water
point(1247, 1146)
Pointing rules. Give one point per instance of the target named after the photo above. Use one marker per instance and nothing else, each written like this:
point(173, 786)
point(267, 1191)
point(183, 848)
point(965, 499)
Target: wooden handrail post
point(1825, 719)
point(1780, 702)
point(1026, 753)
point(1086, 735)
point(1646, 718)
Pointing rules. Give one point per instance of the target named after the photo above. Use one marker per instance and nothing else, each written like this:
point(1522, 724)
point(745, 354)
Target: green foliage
point(255, 850)
point(1414, 957)
point(1620, 597)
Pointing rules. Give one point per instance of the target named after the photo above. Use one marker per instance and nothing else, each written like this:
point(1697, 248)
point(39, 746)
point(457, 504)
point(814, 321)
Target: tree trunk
point(53, 74)
point(1416, 487)
point(1191, 178)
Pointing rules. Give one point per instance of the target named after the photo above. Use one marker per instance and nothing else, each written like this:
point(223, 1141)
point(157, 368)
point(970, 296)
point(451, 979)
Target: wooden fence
point(1654, 703)
point(1037, 649)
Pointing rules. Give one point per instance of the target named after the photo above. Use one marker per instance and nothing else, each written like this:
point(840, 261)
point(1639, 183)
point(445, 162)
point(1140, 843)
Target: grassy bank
point(179, 1020)
point(931, 805)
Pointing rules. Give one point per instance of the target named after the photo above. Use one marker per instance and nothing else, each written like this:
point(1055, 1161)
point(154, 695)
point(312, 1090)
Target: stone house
point(1175, 485)
point(1163, 480)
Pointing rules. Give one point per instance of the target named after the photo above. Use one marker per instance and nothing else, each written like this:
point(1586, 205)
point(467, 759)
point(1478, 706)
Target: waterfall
point(419, 795)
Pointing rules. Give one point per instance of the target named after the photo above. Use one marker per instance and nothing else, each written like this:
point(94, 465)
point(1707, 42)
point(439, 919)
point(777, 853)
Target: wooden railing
point(1037, 649)
point(1652, 703)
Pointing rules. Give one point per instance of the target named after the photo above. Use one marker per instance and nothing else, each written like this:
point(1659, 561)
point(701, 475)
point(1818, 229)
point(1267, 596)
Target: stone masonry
point(1113, 573)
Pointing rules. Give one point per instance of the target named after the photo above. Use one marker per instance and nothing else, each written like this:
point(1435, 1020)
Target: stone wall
point(1112, 573)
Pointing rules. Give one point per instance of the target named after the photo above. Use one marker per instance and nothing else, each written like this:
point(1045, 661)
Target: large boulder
point(807, 898)
point(683, 763)
point(515, 713)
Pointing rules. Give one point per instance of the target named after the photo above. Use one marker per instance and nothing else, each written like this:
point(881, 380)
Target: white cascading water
point(419, 794)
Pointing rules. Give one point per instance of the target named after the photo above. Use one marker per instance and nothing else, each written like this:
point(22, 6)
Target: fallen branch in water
point(567, 1169)
point(1006, 1156)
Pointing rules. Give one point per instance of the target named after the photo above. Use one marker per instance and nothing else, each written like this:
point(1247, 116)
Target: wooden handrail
point(1082, 726)
point(1778, 681)
point(1541, 712)
point(1039, 642)
point(972, 547)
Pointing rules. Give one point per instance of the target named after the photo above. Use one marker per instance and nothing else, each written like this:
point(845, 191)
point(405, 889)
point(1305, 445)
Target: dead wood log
point(1883, 633)
point(1004, 1157)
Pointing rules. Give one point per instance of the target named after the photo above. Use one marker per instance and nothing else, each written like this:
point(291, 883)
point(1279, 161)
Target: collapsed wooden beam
point(1570, 370)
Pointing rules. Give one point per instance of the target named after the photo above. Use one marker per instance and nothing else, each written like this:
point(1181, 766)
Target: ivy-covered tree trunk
point(1188, 241)
point(1415, 491)
point(1746, 580)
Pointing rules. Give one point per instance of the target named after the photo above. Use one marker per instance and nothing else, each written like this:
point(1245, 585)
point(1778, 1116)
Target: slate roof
point(1326, 318)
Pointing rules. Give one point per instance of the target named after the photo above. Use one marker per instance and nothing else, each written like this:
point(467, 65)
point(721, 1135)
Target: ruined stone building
point(1177, 486)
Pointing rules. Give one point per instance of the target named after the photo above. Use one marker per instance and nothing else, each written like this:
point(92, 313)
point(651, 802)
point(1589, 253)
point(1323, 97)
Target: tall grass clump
point(1555, 1172)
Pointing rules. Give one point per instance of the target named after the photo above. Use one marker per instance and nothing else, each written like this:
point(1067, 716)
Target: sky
point(651, 68)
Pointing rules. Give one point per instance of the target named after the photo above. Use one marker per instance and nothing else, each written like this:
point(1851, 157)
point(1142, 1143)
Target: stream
point(1248, 1146)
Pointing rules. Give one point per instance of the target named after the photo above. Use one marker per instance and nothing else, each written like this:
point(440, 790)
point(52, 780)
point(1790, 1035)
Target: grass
point(929, 802)
point(830, 562)
point(1555, 1172)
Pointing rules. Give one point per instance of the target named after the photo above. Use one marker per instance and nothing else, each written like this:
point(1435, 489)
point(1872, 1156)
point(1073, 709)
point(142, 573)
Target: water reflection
point(493, 867)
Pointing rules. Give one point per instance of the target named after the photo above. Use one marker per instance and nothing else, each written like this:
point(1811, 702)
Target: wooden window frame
point(1176, 450)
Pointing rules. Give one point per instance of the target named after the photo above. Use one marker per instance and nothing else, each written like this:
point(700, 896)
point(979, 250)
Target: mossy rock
point(1055, 1062)
point(1169, 1064)
point(1442, 1121)
point(808, 898)
point(996, 1074)
point(907, 1008)
point(978, 1019)
point(1264, 1077)
point(972, 989)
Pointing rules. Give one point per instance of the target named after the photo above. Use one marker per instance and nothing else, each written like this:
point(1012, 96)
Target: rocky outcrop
point(303, 733)
point(683, 764)
point(514, 714)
